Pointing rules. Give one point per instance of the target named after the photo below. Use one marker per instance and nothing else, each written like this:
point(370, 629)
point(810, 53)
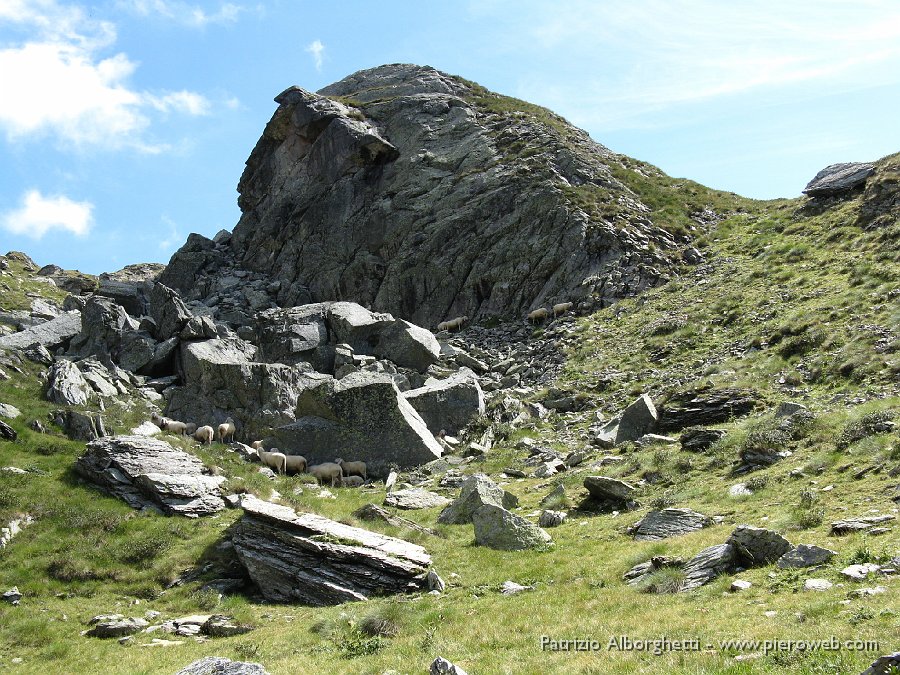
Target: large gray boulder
point(637, 419)
point(103, 324)
point(408, 345)
point(309, 559)
point(219, 665)
point(805, 555)
point(295, 334)
point(838, 178)
point(758, 546)
point(359, 417)
point(604, 488)
point(356, 326)
point(414, 499)
point(148, 472)
point(448, 404)
point(167, 309)
point(476, 491)
point(668, 523)
point(709, 564)
point(66, 385)
point(51, 334)
point(495, 527)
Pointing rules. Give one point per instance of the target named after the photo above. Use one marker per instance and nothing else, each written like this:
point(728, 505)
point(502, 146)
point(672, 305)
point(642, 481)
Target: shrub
point(878, 422)
point(663, 580)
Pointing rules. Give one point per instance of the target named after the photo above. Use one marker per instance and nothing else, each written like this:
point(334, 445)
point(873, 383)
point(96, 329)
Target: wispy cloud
point(174, 237)
point(185, 13)
point(58, 81)
point(636, 57)
point(317, 49)
point(39, 214)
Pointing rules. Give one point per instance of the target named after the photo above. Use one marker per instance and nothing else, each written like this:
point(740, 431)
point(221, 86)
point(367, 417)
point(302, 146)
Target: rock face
point(412, 201)
point(758, 546)
point(668, 523)
point(702, 408)
point(313, 560)
point(476, 491)
point(50, 334)
point(496, 527)
point(360, 417)
point(66, 385)
point(838, 178)
point(448, 404)
point(148, 472)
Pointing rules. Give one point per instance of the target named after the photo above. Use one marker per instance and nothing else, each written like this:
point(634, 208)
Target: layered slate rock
point(362, 416)
point(606, 489)
point(103, 324)
point(476, 491)
point(495, 527)
point(758, 546)
point(219, 665)
point(805, 555)
point(884, 665)
point(704, 408)
point(450, 403)
point(316, 561)
point(709, 564)
point(838, 178)
point(51, 334)
point(698, 439)
point(148, 472)
point(638, 419)
point(66, 384)
point(668, 523)
point(414, 499)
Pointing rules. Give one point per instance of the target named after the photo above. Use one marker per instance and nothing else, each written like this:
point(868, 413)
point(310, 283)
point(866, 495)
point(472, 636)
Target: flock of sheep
point(337, 473)
point(539, 314)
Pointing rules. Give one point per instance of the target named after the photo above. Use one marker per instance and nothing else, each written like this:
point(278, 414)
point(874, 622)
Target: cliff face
point(417, 193)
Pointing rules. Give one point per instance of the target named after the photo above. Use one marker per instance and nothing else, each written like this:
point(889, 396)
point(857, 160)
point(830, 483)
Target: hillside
point(756, 304)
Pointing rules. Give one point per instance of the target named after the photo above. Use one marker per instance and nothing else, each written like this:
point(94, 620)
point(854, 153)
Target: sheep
point(274, 460)
point(452, 323)
point(158, 419)
point(257, 445)
point(561, 308)
point(442, 326)
point(327, 471)
point(352, 481)
point(226, 430)
point(352, 468)
point(176, 427)
point(204, 435)
point(539, 314)
point(296, 463)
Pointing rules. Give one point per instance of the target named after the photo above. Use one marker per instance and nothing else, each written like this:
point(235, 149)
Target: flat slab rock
point(859, 524)
point(805, 555)
point(218, 665)
point(612, 489)
point(883, 664)
point(838, 178)
point(148, 472)
point(312, 560)
point(414, 498)
point(668, 523)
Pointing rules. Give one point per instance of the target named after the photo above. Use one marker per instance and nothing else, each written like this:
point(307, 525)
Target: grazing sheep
point(352, 481)
point(561, 308)
point(274, 460)
point(327, 471)
point(539, 314)
point(452, 323)
point(157, 419)
point(352, 468)
point(226, 430)
point(295, 463)
point(176, 427)
point(257, 445)
point(204, 435)
point(190, 428)
point(442, 326)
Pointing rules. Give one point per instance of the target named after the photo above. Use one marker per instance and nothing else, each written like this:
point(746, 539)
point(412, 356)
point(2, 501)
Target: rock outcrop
point(498, 528)
point(476, 491)
point(309, 559)
point(668, 523)
point(49, 334)
point(150, 473)
point(838, 178)
point(448, 404)
point(401, 188)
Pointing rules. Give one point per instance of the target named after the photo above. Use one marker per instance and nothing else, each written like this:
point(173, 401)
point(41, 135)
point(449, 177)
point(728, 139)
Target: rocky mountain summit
point(417, 193)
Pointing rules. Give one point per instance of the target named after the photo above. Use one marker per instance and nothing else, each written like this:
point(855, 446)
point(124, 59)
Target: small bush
point(144, 549)
point(663, 580)
point(879, 422)
point(384, 622)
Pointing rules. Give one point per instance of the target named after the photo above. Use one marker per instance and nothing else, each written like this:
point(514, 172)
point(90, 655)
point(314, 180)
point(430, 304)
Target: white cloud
point(317, 49)
point(174, 238)
point(38, 215)
point(58, 82)
point(185, 13)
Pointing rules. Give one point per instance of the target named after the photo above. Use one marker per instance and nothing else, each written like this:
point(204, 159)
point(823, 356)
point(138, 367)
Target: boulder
point(637, 419)
point(128, 294)
point(758, 546)
point(704, 408)
point(219, 665)
point(414, 498)
point(407, 345)
point(115, 626)
point(362, 416)
point(805, 555)
point(668, 523)
point(376, 513)
point(838, 178)
point(51, 334)
point(476, 491)
point(309, 559)
point(66, 385)
point(709, 564)
point(698, 439)
point(817, 585)
point(7, 433)
point(167, 309)
point(356, 326)
point(859, 524)
point(295, 334)
point(441, 666)
point(38, 353)
point(604, 488)
point(81, 426)
point(884, 665)
point(148, 472)
point(137, 350)
point(497, 528)
point(103, 323)
point(552, 518)
point(10, 412)
point(448, 404)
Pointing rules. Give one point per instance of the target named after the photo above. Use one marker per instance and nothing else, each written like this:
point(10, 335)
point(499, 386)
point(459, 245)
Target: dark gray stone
point(838, 178)
point(609, 489)
point(51, 334)
point(66, 384)
point(758, 546)
point(218, 665)
point(805, 555)
point(884, 665)
point(709, 564)
point(637, 419)
point(448, 404)
point(698, 439)
point(668, 523)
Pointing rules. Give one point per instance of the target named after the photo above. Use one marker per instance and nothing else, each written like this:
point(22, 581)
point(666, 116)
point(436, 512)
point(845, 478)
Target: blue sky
point(125, 124)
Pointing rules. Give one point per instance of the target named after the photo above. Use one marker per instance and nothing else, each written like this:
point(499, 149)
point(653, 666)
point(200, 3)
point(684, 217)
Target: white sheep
point(174, 426)
point(226, 430)
point(157, 419)
point(352, 468)
point(540, 314)
point(561, 308)
point(352, 481)
point(274, 460)
point(327, 471)
point(257, 445)
point(452, 323)
point(442, 326)
point(205, 435)
point(190, 428)
point(295, 463)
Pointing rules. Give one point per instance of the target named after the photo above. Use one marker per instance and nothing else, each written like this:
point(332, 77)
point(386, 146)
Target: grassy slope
point(777, 278)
